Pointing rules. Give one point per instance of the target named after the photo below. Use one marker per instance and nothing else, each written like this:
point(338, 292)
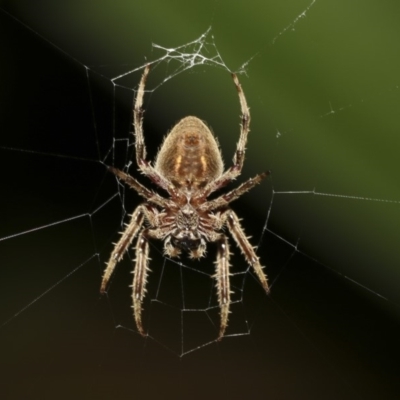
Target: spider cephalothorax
point(189, 167)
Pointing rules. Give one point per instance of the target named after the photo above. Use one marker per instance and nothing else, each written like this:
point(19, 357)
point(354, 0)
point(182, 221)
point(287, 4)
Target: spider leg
point(140, 274)
point(142, 190)
point(138, 119)
point(140, 278)
point(223, 283)
point(140, 146)
point(234, 194)
point(247, 249)
point(238, 159)
point(122, 245)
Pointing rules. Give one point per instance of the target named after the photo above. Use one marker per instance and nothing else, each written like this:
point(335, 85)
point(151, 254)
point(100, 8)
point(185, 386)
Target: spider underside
point(189, 168)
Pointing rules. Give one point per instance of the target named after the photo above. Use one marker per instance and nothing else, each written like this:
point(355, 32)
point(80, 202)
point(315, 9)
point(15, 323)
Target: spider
point(189, 168)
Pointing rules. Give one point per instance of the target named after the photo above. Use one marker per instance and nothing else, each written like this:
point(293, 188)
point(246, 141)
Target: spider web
point(329, 244)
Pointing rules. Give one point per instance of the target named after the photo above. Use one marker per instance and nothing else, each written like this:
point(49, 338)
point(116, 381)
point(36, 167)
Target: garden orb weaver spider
point(189, 168)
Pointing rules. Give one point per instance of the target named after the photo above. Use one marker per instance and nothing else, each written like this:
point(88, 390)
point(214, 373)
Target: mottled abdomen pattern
point(189, 155)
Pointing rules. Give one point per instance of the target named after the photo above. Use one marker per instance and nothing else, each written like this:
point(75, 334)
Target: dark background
point(329, 87)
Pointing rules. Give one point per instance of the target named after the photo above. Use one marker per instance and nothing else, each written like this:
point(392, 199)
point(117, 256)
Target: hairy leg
point(247, 249)
point(122, 245)
point(223, 283)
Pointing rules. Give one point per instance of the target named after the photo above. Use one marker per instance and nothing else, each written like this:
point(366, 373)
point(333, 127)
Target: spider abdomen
point(189, 155)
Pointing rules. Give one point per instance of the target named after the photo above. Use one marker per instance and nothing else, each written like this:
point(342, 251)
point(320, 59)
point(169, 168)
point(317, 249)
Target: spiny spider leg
point(238, 159)
point(151, 196)
point(140, 278)
point(223, 283)
point(122, 246)
point(140, 146)
point(247, 249)
point(234, 194)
